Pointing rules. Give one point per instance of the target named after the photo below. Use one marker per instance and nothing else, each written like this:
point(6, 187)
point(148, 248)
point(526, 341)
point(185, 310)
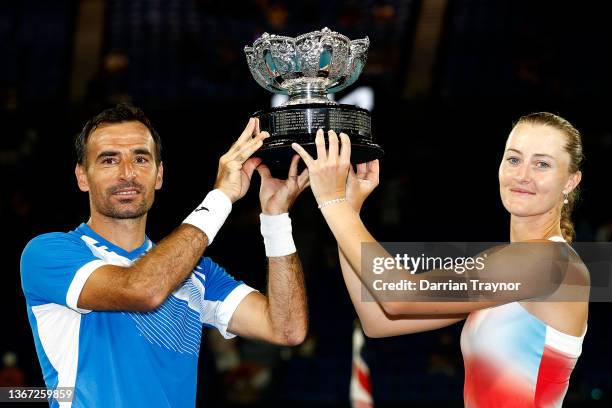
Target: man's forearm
point(169, 263)
point(287, 308)
point(164, 267)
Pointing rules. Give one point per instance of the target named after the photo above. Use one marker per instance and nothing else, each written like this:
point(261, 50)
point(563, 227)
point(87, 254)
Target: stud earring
point(565, 200)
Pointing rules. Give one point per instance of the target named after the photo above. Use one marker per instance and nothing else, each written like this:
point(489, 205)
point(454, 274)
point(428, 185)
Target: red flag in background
point(361, 388)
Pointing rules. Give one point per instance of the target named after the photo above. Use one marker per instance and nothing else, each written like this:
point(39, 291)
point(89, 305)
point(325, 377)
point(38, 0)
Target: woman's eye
point(542, 165)
point(513, 160)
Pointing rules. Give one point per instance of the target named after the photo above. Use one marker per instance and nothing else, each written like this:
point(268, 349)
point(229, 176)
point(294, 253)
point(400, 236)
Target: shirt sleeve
point(222, 295)
point(54, 269)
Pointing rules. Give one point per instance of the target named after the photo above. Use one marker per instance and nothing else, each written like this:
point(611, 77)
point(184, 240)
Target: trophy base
point(279, 157)
point(299, 124)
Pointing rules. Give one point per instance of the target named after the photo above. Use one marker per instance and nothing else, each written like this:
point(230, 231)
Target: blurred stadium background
point(448, 78)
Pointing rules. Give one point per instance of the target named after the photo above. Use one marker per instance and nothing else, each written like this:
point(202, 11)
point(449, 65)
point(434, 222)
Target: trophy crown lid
point(308, 66)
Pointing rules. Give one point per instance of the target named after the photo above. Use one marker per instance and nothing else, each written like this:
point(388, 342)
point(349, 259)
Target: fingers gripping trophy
point(307, 68)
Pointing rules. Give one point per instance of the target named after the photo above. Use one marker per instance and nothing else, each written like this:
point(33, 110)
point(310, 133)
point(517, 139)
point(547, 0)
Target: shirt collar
point(85, 229)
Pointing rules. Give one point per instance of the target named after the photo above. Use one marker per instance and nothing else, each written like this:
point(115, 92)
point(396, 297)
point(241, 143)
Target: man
point(120, 319)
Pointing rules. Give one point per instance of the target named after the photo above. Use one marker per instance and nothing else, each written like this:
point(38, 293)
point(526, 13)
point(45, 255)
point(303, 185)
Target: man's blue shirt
point(119, 359)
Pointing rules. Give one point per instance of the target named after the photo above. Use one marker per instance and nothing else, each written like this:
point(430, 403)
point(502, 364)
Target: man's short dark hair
point(123, 112)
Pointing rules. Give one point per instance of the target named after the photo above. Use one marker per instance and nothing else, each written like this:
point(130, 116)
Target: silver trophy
point(307, 68)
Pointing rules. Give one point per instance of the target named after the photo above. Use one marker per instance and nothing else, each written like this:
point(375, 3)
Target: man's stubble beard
point(108, 209)
point(113, 212)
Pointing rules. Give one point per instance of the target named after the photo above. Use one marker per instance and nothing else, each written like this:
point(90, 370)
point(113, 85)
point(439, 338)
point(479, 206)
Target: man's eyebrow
point(142, 150)
point(107, 153)
point(115, 153)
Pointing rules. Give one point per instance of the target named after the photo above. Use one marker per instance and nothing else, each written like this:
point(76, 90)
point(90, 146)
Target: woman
point(516, 353)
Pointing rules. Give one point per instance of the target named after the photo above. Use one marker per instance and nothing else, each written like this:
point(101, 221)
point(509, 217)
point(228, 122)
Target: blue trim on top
point(85, 229)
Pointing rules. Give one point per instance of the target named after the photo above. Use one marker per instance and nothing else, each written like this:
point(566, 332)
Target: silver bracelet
point(330, 202)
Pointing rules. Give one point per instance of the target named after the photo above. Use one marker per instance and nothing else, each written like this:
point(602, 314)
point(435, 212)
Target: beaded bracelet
point(330, 202)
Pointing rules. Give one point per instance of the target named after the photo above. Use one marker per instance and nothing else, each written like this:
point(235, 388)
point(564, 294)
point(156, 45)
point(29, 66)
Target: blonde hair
point(573, 147)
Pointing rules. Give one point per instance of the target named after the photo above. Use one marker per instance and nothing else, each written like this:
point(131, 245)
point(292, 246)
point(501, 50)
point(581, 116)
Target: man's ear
point(81, 176)
point(160, 176)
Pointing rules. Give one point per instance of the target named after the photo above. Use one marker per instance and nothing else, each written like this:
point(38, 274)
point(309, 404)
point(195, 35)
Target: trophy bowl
point(307, 68)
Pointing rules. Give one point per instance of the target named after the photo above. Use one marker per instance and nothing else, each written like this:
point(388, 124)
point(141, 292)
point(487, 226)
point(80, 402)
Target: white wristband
point(211, 214)
point(276, 232)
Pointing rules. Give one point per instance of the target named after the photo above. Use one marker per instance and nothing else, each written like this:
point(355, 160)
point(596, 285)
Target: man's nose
point(127, 171)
